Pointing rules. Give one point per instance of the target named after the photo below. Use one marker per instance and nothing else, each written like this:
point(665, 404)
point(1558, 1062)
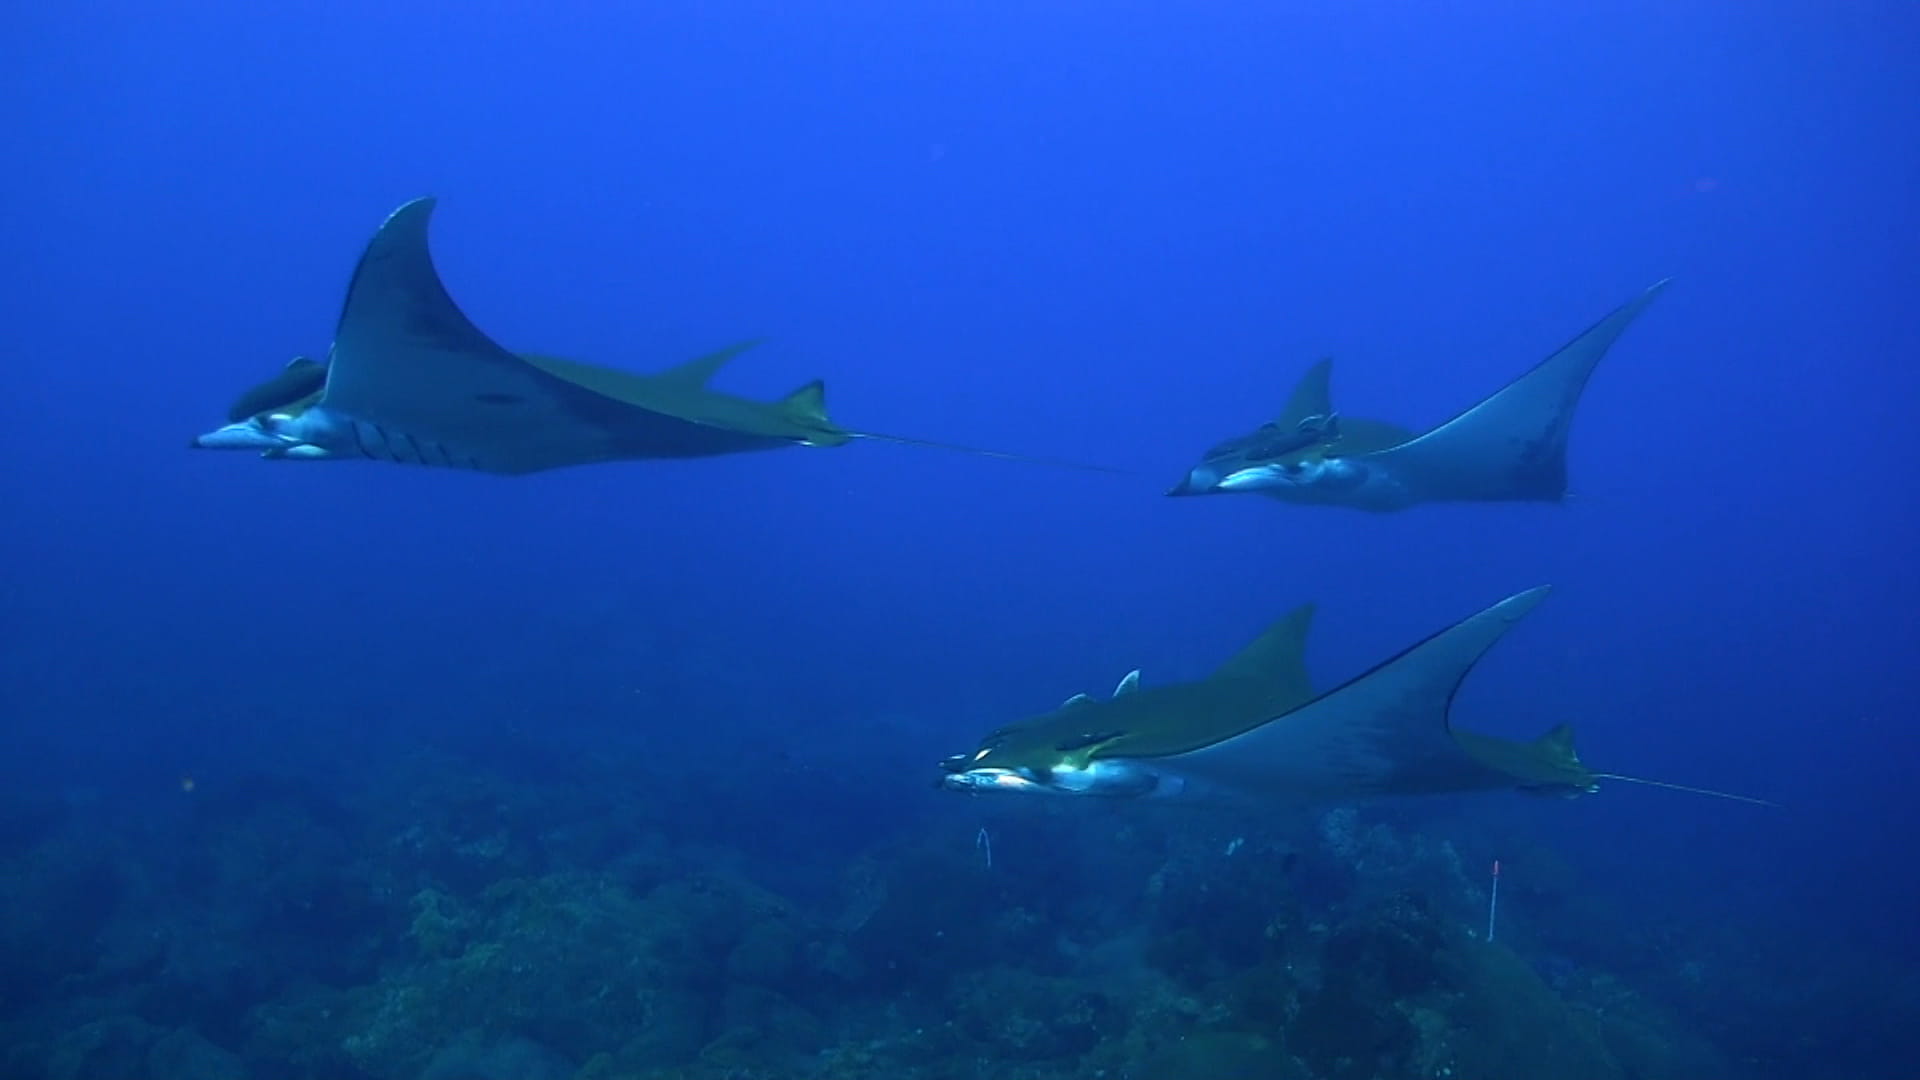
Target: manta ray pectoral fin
point(1312, 396)
point(406, 358)
point(1385, 732)
point(701, 369)
point(401, 344)
point(1547, 765)
point(1361, 436)
point(1550, 765)
point(1128, 684)
point(1275, 663)
point(1512, 446)
point(1077, 699)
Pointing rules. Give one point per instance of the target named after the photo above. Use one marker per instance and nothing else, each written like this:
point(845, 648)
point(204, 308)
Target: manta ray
point(1254, 733)
point(1510, 447)
point(409, 379)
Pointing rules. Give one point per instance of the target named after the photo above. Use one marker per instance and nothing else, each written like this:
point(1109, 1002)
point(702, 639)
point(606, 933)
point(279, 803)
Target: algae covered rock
point(1649, 1048)
point(1503, 1020)
point(571, 962)
point(185, 1053)
point(919, 920)
point(117, 1046)
point(1225, 1055)
point(1357, 1023)
point(1030, 1017)
point(475, 1057)
point(1403, 994)
point(765, 954)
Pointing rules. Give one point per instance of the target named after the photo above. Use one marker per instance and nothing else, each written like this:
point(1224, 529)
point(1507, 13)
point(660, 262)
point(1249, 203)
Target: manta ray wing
point(1512, 446)
point(1383, 733)
point(420, 383)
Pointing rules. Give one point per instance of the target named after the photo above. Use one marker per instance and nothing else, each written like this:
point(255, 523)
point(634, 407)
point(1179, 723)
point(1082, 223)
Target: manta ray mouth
point(981, 780)
point(1258, 477)
point(245, 435)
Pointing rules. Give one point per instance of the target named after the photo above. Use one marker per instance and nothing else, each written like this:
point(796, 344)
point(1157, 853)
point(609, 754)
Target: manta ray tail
point(1004, 455)
point(807, 406)
point(1512, 446)
point(1554, 753)
point(1684, 787)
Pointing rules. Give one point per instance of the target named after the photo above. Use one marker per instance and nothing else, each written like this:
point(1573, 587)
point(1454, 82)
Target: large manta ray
point(410, 380)
point(1254, 733)
point(1511, 447)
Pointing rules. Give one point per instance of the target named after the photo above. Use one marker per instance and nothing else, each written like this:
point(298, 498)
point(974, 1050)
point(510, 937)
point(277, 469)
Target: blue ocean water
point(273, 715)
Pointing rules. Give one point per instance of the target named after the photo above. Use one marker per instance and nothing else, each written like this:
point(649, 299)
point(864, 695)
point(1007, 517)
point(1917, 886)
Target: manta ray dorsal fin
point(1312, 396)
point(1128, 684)
point(1385, 732)
point(701, 369)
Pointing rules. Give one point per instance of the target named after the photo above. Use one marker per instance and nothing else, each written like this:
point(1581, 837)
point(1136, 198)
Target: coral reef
point(456, 922)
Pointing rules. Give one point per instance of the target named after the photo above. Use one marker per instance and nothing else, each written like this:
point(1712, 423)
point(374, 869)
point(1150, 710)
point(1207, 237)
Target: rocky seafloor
point(447, 916)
